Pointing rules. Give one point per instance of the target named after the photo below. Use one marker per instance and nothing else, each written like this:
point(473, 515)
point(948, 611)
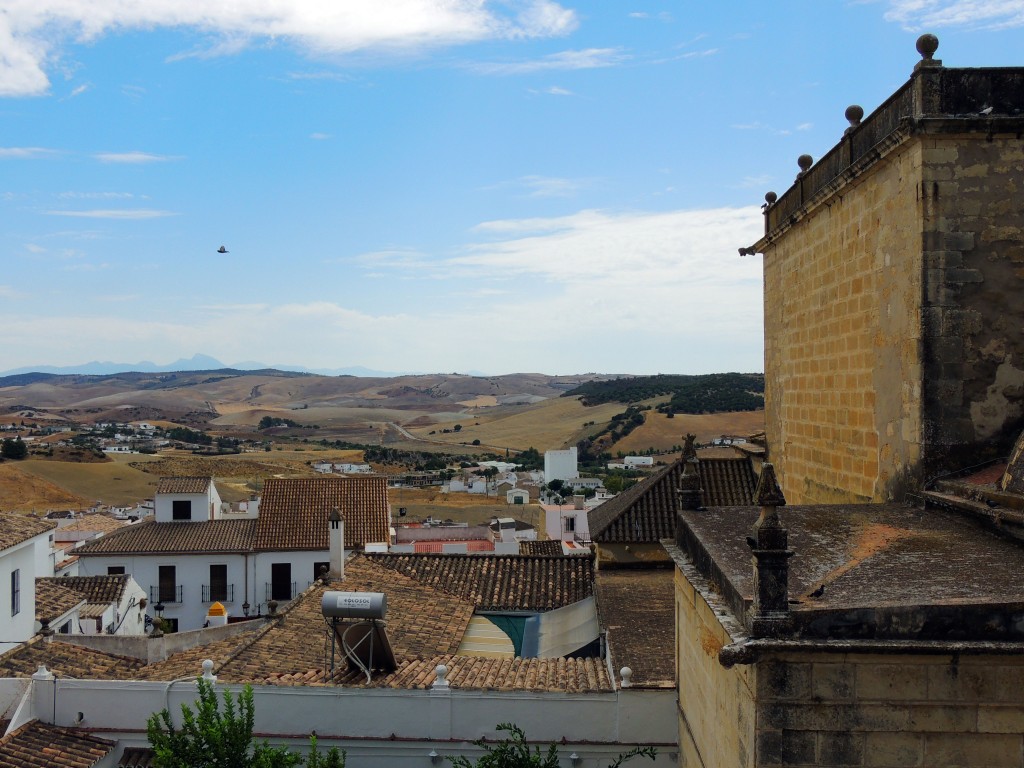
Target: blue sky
point(458, 185)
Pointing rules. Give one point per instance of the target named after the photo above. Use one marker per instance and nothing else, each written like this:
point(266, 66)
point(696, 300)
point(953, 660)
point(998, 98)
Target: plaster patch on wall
point(1002, 401)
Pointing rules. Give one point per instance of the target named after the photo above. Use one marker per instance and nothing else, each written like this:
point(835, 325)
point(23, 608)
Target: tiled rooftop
point(54, 600)
point(14, 529)
point(95, 589)
point(184, 485)
point(38, 745)
point(101, 523)
point(645, 512)
point(425, 627)
point(500, 582)
point(727, 482)
point(637, 608)
point(294, 511)
point(137, 757)
point(420, 622)
point(172, 538)
point(476, 673)
point(548, 547)
point(66, 660)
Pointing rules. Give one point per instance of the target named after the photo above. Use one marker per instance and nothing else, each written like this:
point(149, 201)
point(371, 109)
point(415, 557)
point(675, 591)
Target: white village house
point(190, 556)
point(25, 544)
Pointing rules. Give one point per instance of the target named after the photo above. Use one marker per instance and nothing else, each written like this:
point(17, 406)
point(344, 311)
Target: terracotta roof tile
point(727, 482)
point(548, 547)
point(137, 757)
point(294, 511)
point(14, 529)
point(184, 484)
point(66, 660)
point(95, 589)
point(172, 538)
point(637, 608)
point(53, 600)
point(646, 512)
point(420, 622)
point(93, 523)
point(38, 745)
point(474, 673)
point(500, 582)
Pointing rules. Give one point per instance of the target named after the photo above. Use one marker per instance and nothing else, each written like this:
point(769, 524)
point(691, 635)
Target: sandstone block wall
point(716, 705)
point(893, 316)
point(890, 711)
point(972, 186)
point(842, 339)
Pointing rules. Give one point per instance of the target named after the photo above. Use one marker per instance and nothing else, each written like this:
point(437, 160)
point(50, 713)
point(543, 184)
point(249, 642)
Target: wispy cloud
point(661, 16)
point(339, 77)
point(320, 136)
point(98, 196)
point(132, 157)
point(699, 54)
point(757, 125)
point(916, 15)
point(26, 153)
point(123, 214)
point(588, 58)
point(33, 33)
point(553, 90)
point(545, 186)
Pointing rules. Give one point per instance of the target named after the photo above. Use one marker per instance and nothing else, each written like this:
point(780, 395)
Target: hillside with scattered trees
point(703, 393)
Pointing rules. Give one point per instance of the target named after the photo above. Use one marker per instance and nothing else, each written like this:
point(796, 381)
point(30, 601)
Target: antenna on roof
point(365, 644)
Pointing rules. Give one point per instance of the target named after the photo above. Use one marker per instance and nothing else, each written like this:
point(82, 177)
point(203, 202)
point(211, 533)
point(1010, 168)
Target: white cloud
point(334, 76)
point(7, 292)
point(319, 136)
point(97, 196)
point(545, 186)
point(917, 15)
point(33, 32)
point(553, 90)
point(588, 58)
point(26, 153)
point(699, 54)
point(642, 291)
point(139, 213)
point(132, 157)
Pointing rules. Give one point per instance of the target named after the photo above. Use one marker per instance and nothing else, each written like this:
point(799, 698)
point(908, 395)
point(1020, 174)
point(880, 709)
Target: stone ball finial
point(805, 162)
point(927, 45)
point(770, 198)
point(854, 114)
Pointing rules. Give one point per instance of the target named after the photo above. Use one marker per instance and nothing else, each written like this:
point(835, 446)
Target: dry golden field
point(421, 503)
point(33, 484)
point(660, 432)
point(548, 425)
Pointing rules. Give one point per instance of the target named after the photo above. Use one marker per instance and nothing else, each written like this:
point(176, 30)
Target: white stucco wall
point(386, 727)
point(560, 465)
point(247, 573)
point(20, 627)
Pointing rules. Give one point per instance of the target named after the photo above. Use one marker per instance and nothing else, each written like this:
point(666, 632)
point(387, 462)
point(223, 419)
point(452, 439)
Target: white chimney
point(336, 535)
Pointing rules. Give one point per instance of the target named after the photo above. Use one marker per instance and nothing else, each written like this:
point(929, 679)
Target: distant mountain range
point(200, 362)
